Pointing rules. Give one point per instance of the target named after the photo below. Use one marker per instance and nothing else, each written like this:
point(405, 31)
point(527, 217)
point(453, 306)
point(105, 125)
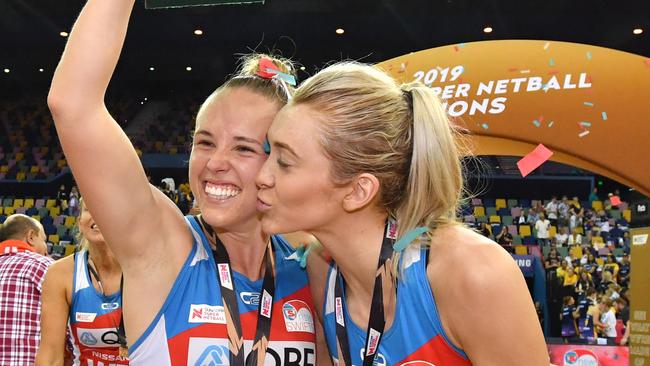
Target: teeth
point(220, 192)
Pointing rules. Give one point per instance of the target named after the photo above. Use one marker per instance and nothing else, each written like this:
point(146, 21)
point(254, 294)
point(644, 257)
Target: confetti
point(456, 48)
point(525, 71)
point(541, 119)
point(546, 45)
point(552, 72)
point(485, 126)
point(461, 45)
point(550, 124)
point(583, 133)
point(536, 123)
point(534, 159)
point(604, 115)
point(513, 69)
point(588, 104)
point(403, 67)
point(588, 55)
point(647, 62)
point(585, 124)
point(615, 200)
point(581, 126)
point(551, 62)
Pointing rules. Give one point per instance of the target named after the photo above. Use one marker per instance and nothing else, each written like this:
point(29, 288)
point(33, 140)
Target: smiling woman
point(184, 277)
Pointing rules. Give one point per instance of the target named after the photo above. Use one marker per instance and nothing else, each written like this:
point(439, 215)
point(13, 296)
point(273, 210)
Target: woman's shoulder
point(61, 271)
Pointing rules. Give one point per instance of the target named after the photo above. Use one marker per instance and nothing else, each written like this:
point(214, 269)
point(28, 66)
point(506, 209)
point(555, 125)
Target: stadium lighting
point(340, 31)
point(487, 29)
point(63, 34)
point(198, 32)
point(637, 31)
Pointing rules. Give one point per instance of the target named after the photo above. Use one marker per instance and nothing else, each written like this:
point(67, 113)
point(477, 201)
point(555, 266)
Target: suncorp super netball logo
point(580, 357)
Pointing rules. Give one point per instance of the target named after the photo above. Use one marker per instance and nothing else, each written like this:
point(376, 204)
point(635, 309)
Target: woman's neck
point(103, 259)
point(246, 250)
point(354, 242)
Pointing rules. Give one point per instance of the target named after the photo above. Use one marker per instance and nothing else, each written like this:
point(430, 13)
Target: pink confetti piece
point(583, 133)
point(552, 72)
point(615, 200)
point(513, 69)
point(541, 119)
point(647, 62)
point(456, 48)
point(534, 159)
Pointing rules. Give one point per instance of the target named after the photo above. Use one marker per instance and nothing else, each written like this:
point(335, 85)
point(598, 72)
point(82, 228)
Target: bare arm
point(54, 314)
point(104, 162)
point(485, 306)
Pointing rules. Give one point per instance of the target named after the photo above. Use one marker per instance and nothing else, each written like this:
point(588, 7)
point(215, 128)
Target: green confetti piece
point(536, 123)
point(551, 62)
point(604, 115)
point(585, 124)
point(588, 55)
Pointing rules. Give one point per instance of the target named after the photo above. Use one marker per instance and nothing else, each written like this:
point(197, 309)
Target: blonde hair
point(82, 242)
point(400, 134)
point(247, 76)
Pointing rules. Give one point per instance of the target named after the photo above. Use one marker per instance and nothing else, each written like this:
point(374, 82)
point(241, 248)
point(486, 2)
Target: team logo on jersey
point(110, 305)
point(85, 317)
point(202, 313)
point(298, 317)
point(214, 356)
point(224, 275)
point(417, 363)
point(250, 298)
point(88, 339)
point(267, 304)
point(580, 357)
point(379, 359)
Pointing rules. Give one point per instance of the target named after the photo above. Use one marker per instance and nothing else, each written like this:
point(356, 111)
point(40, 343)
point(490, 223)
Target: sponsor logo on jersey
point(215, 352)
point(298, 317)
point(202, 313)
point(250, 298)
point(391, 233)
point(379, 359)
point(374, 341)
point(224, 275)
point(267, 304)
point(85, 317)
point(110, 305)
point(88, 339)
point(97, 337)
point(580, 357)
point(114, 359)
point(339, 311)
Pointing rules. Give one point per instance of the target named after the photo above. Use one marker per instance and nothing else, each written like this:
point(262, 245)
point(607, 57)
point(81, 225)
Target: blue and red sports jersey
point(94, 319)
point(416, 336)
point(190, 328)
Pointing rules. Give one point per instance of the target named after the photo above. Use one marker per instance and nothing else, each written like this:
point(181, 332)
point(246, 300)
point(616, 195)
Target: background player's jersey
point(416, 336)
point(583, 307)
point(190, 329)
point(568, 322)
point(94, 319)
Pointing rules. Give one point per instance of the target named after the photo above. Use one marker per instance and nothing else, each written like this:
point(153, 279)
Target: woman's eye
point(282, 164)
point(245, 149)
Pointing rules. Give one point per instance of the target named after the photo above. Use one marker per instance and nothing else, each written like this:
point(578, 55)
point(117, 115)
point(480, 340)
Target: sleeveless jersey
point(94, 319)
point(583, 307)
point(416, 336)
point(190, 328)
point(588, 330)
point(568, 322)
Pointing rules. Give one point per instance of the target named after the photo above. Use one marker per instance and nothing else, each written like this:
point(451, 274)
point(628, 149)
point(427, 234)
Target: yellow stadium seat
point(29, 203)
point(70, 221)
point(576, 252)
point(54, 239)
point(50, 203)
point(61, 163)
point(20, 156)
point(521, 250)
point(496, 219)
point(69, 249)
point(9, 210)
point(552, 231)
point(19, 202)
point(34, 169)
point(20, 176)
point(524, 230)
point(500, 203)
point(597, 239)
point(627, 215)
point(36, 217)
point(55, 211)
point(4, 169)
point(44, 149)
point(600, 261)
point(597, 205)
point(479, 211)
point(579, 230)
point(173, 150)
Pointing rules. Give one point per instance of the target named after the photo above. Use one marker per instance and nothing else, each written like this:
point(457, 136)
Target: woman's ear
point(362, 191)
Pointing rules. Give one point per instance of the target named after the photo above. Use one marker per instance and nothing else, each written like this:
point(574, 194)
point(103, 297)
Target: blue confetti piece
point(585, 124)
point(461, 45)
point(266, 146)
point(536, 123)
point(405, 240)
point(588, 55)
point(604, 115)
point(551, 62)
point(289, 79)
point(588, 104)
point(485, 126)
